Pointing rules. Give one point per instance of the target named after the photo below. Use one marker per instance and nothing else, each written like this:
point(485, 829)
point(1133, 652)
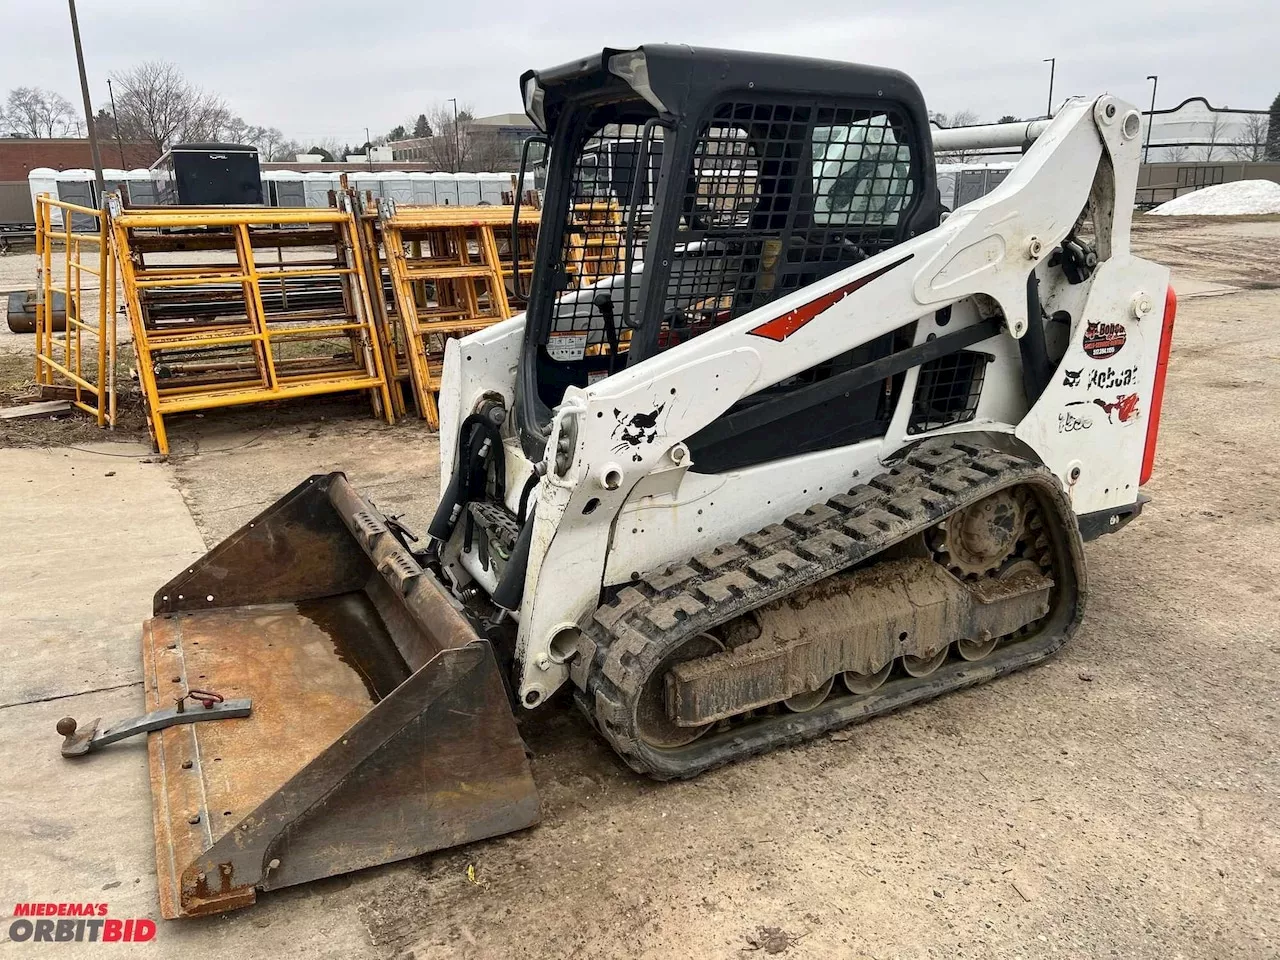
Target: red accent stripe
point(1157, 389)
point(779, 328)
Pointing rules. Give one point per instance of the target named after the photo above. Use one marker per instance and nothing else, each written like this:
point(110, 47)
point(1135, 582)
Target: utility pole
point(368, 148)
point(115, 119)
point(1151, 115)
point(1053, 66)
point(88, 104)
point(457, 140)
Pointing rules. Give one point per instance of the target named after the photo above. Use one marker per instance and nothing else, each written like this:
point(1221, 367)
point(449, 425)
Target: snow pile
point(1240, 198)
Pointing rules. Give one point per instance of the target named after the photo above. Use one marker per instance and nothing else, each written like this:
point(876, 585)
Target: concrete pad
point(88, 539)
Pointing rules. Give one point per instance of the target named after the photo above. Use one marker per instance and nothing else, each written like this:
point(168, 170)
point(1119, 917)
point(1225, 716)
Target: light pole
point(1053, 65)
point(457, 140)
point(115, 119)
point(88, 105)
point(368, 149)
point(1151, 115)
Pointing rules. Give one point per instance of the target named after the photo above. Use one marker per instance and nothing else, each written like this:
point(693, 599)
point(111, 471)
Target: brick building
point(19, 156)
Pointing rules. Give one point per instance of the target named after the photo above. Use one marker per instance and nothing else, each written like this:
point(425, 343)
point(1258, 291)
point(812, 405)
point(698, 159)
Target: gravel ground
point(1120, 800)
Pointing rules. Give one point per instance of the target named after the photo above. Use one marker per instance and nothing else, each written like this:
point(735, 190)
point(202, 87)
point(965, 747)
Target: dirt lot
point(1121, 800)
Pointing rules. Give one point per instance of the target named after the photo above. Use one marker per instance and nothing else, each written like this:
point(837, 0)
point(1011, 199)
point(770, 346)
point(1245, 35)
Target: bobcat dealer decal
point(1103, 340)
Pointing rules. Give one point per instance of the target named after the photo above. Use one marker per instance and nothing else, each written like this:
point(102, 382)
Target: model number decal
point(1068, 422)
point(1104, 340)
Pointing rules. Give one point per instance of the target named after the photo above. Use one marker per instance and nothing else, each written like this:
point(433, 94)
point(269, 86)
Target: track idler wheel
point(653, 724)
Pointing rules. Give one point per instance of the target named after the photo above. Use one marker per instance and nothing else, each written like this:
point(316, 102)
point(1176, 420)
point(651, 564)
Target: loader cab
point(687, 187)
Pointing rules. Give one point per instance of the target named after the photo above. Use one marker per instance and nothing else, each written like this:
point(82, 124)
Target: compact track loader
point(776, 448)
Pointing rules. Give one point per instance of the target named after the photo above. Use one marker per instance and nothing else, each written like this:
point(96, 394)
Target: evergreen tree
point(1273, 130)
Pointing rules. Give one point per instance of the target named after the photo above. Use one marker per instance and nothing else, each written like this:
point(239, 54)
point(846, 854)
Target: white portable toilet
point(947, 175)
point(492, 186)
point(424, 189)
point(366, 183)
point(142, 187)
point(44, 180)
point(316, 187)
point(78, 186)
point(469, 189)
point(288, 188)
point(397, 186)
point(446, 189)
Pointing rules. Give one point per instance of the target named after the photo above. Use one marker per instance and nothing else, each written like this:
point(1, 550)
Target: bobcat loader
point(776, 448)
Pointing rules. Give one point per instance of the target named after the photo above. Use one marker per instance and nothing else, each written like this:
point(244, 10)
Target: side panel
point(1090, 424)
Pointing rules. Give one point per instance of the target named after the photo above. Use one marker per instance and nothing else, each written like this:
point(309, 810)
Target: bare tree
point(1216, 132)
point(155, 103)
point(1176, 154)
point(1252, 142)
point(489, 151)
point(33, 112)
point(271, 143)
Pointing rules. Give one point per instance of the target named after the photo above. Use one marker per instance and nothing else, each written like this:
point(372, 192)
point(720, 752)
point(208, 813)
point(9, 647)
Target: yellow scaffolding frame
point(456, 251)
point(273, 378)
point(60, 360)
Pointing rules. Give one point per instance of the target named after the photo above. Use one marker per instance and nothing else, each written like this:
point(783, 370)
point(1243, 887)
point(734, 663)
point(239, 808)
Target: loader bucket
point(380, 727)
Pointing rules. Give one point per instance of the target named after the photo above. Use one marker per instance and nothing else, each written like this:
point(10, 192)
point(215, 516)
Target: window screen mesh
point(780, 195)
point(604, 182)
point(947, 391)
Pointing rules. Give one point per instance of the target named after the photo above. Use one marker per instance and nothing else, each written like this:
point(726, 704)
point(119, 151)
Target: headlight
point(535, 104)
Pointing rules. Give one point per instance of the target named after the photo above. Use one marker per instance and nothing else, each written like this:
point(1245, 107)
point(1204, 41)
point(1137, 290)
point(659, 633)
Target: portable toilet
point(469, 189)
point(446, 189)
point(397, 186)
point(288, 188)
point(424, 189)
point(316, 187)
point(78, 186)
point(44, 180)
point(947, 175)
point(492, 186)
point(996, 172)
point(366, 182)
point(142, 187)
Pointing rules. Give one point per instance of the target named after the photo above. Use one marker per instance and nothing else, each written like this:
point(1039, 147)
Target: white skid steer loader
point(774, 449)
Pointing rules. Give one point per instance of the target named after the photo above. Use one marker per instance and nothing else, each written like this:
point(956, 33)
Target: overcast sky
point(327, 68)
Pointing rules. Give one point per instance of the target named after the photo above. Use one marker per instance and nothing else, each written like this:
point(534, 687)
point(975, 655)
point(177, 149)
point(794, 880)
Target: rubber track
point(647, 619)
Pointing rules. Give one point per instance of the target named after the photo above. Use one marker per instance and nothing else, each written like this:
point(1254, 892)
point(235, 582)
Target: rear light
point(1157, 389)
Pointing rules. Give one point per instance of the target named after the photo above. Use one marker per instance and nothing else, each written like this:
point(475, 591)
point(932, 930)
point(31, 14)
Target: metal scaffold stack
point(452, 271)
point(235, 305)
point(241, 305)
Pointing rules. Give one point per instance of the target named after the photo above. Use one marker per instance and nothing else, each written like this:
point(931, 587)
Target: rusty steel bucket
point(22, 306)
point(380, 726)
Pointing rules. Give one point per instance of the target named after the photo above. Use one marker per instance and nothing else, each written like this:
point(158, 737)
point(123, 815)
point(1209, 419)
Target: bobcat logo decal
point(635, 429)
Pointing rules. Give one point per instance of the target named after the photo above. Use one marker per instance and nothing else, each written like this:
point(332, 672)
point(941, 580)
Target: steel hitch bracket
point(77, 740)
